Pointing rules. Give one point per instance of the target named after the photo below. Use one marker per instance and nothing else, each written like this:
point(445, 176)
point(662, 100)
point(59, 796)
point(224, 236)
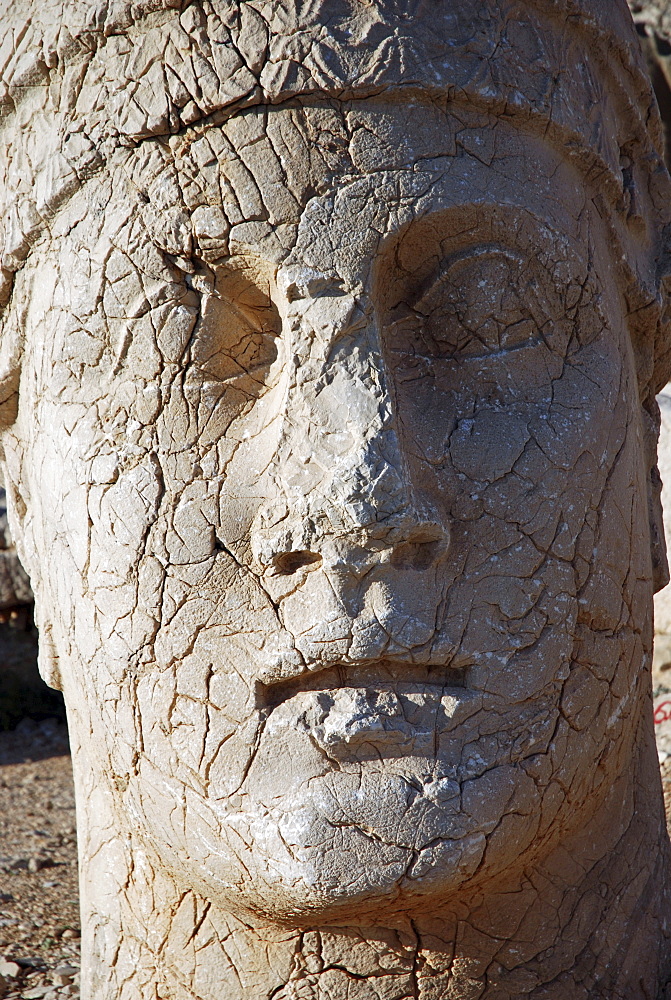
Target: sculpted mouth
point(378, 675)
point(384, 706)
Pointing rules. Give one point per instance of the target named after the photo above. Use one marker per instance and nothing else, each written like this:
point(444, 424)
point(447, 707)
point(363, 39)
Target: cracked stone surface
point(330, 341)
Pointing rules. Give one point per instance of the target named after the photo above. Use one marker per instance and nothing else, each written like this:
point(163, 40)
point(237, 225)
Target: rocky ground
point(39, 919)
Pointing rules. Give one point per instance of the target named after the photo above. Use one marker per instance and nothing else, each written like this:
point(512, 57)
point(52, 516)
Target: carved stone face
point(348, 567)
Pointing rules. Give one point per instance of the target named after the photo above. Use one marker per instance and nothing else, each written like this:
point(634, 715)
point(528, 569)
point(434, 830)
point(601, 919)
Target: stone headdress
point(97, 77)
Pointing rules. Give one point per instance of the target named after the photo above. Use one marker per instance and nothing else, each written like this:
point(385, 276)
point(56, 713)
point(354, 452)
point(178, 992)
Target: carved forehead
point(80, 81)
point(87, 77)
point(147, 69)
point(357, 177)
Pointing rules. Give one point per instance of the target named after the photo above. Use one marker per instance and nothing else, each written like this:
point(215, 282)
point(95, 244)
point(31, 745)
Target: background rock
point(15, 592)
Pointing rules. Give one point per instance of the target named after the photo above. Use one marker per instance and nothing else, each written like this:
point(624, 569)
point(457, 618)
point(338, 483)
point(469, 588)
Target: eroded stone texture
point(331, 337)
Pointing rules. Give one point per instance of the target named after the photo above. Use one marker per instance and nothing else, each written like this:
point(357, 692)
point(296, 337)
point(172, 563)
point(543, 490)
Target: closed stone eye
point(479, 304)
point(482, 303)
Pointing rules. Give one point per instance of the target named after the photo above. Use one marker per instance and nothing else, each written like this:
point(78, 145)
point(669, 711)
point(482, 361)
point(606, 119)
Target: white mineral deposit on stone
point(330, 339)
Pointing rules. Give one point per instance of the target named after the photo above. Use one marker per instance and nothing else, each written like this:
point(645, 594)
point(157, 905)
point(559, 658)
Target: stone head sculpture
point(330, 342)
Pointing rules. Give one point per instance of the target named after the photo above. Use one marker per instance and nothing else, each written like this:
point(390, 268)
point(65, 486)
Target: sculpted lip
point(384, 705)
point(378, 675)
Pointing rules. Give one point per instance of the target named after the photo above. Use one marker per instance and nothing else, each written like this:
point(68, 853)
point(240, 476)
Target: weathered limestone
point(328, 360)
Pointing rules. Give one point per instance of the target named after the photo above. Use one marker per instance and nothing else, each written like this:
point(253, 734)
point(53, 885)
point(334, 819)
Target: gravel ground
point(39, 918)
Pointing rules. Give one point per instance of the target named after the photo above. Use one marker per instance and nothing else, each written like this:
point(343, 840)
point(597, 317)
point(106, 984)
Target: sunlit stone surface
point(330, 345)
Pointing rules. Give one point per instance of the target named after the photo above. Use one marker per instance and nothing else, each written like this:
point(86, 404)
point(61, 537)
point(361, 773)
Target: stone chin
point(353, 799)
point(305, 869)
point(317, 861)
point(384, 835)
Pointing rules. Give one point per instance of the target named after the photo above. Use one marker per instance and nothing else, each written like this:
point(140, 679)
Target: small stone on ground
point(39, 905)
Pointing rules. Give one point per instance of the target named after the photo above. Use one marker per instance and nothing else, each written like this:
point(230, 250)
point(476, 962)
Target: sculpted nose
point(341, 488)
point(301, 535)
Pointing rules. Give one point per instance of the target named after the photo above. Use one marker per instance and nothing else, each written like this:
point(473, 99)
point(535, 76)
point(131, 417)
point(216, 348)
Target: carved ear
point(48, 660)
point(651, 424)
point(47, 656)
point(660, 564)
point(11, 349)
